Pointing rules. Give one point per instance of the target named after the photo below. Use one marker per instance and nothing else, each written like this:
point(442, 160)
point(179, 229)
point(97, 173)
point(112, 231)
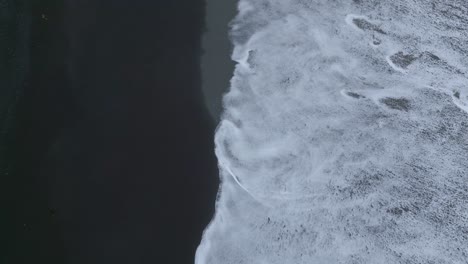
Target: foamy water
point(344, 137)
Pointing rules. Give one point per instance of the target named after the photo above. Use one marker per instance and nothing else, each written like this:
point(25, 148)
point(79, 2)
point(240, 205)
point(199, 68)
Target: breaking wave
point(344, 137)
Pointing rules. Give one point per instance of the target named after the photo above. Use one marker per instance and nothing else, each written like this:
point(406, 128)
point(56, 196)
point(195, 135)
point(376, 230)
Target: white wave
point(344, 136)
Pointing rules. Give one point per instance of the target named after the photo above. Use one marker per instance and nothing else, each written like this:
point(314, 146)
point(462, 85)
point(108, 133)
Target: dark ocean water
point(109, 146)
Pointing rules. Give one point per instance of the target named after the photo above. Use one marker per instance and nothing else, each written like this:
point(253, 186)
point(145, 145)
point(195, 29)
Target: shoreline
point(216, 64)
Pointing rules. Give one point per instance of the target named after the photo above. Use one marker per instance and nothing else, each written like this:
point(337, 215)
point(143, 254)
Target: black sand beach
point(111, 152)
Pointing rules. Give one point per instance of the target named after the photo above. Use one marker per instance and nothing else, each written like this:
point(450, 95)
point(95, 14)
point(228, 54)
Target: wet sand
point(217, 66)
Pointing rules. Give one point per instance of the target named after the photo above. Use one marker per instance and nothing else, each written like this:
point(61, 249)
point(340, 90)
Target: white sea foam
point(344, 137)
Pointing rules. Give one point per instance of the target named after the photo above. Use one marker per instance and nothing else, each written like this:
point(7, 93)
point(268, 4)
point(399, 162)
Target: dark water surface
point(112, 147)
